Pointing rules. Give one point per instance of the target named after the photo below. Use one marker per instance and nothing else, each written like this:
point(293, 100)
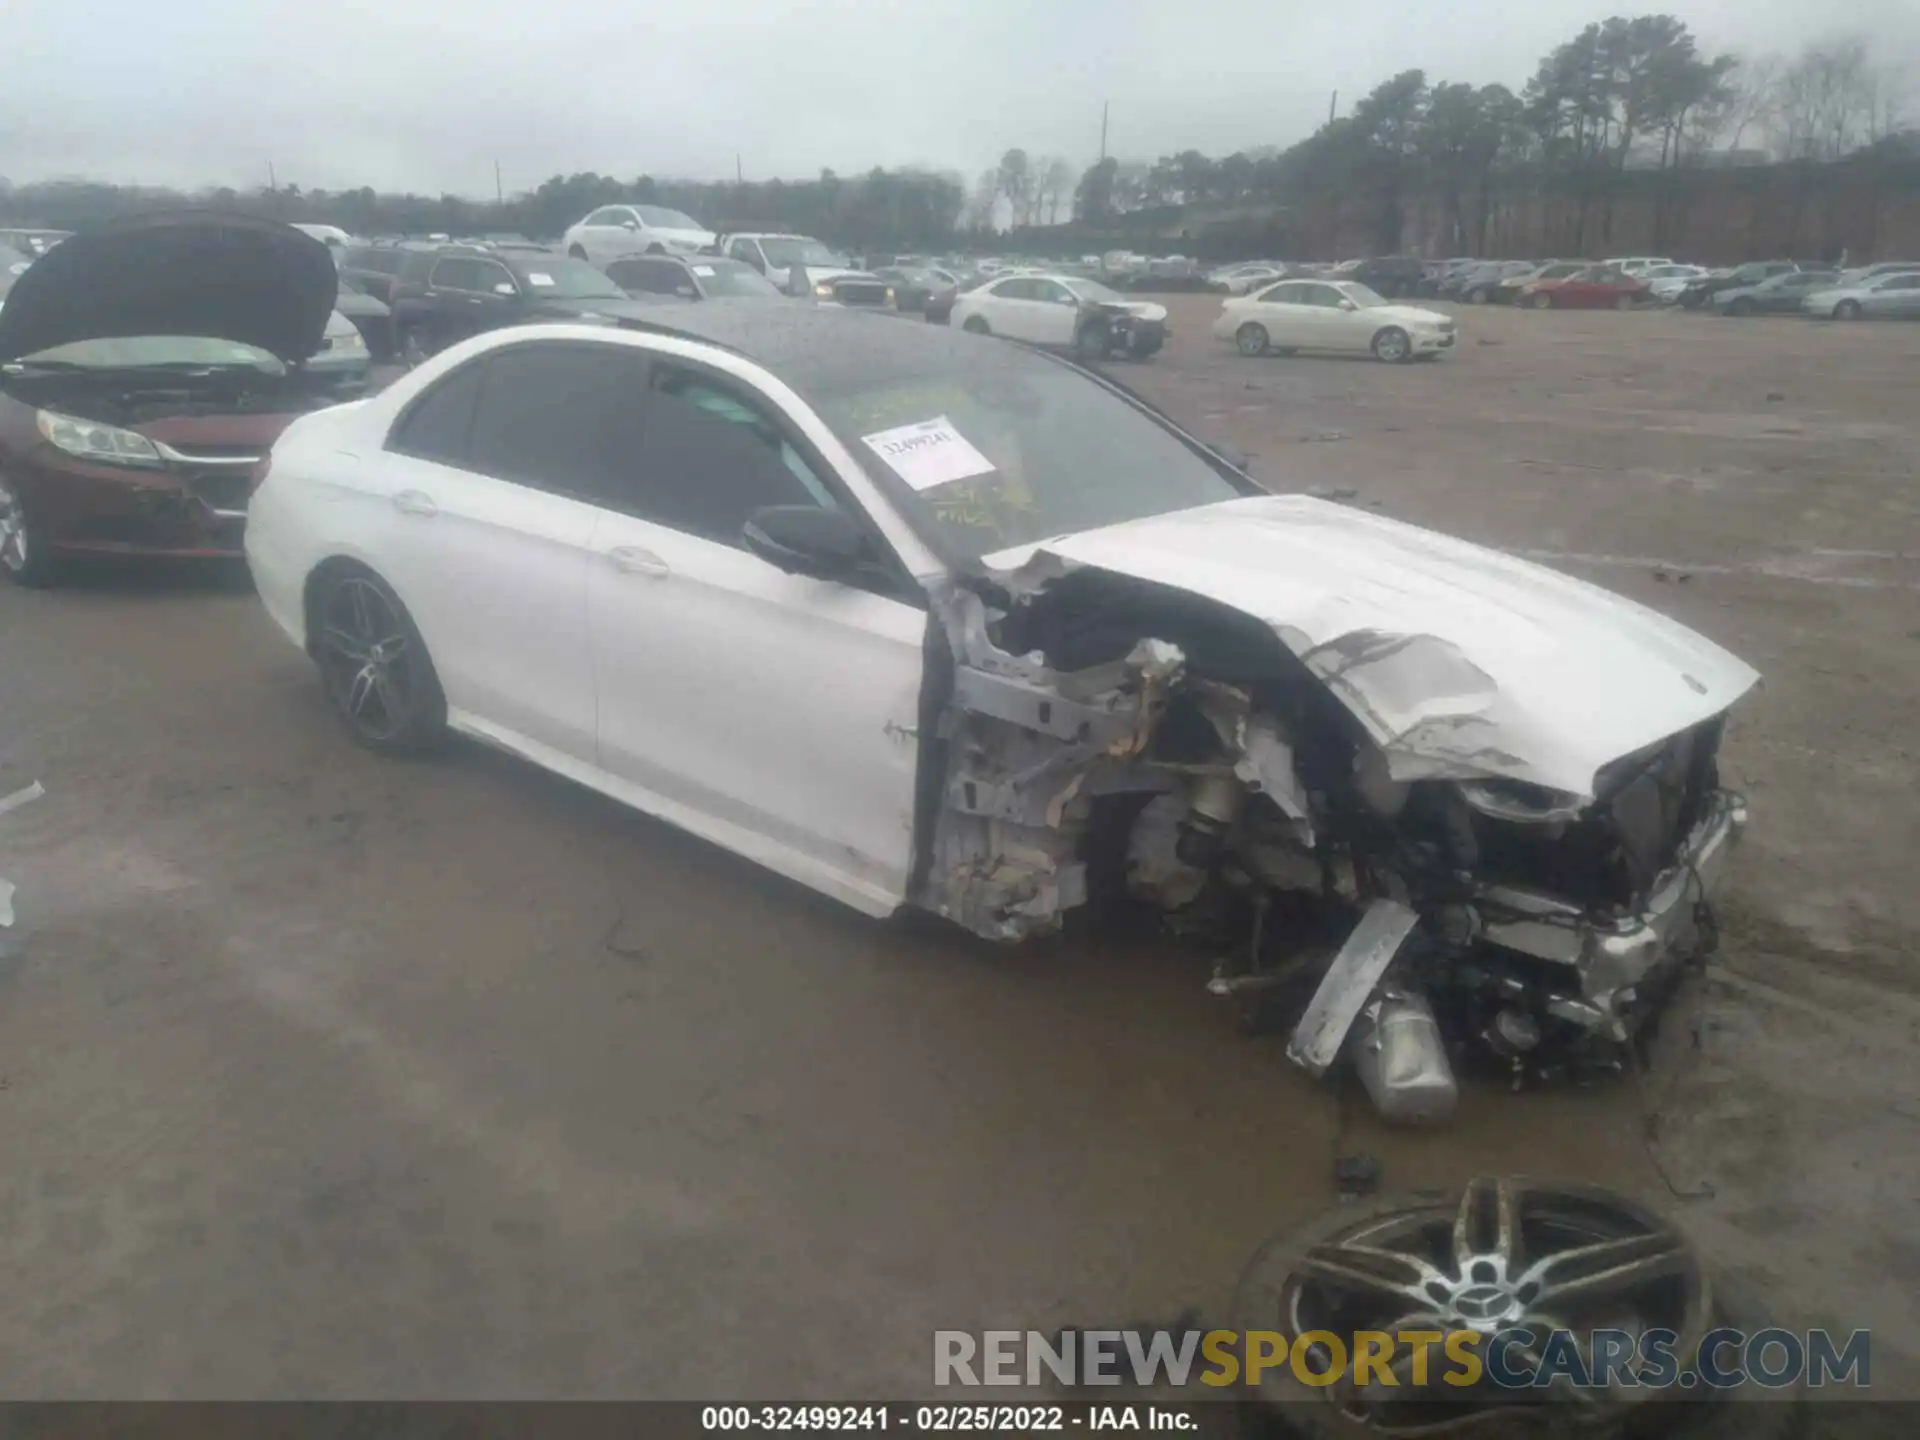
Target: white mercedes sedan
point(1335, 315)
point(922, 619)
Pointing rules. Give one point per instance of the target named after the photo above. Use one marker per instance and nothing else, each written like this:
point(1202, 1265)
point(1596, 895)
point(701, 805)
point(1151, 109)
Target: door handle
point(415, 502)
point(632, 560)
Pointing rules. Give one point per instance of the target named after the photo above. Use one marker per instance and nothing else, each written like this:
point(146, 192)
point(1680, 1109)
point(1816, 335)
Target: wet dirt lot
point(328, 1076)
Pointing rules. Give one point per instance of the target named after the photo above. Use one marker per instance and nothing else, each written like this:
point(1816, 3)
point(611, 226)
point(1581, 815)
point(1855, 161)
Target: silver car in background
point(1894, 295)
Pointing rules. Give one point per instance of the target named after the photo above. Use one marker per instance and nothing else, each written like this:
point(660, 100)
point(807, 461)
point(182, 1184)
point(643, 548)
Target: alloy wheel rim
point(13, 532)
point(1510, 1254)
point(1392, 347)
point(1253, 340)
point(368, 660)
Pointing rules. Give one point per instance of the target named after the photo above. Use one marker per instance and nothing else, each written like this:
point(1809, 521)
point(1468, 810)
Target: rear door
point(1283, 310)
point(484, 527)
point(1896, 297)
point(776, 714)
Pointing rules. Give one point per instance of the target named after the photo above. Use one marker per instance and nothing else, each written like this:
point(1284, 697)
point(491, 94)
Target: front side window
point(1289, 294)
point(711, 455)
point(456, 275)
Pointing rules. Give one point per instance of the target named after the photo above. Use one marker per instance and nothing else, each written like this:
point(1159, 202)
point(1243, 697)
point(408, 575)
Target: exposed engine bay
point(131, 397)
point(1113, 743)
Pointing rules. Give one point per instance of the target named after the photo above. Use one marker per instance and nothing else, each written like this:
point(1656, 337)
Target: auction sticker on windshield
point(928, 453)
point(538, 277)
point(705, 270)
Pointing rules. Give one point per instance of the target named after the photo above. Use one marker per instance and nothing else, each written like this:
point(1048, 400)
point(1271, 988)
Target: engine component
point(1401, 1059)
point(1211, 812)
point(1511, 1033)
point(1349, 981)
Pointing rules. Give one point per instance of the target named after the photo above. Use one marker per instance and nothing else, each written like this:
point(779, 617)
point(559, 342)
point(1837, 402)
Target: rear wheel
point(1251, 339)
point(578, 252)
point(23, 555)
point(1392, 346)
point(1539, 300)
point(1625, 302)
point(374, 664)
point(1847, 310)
point(976, 325)
point(1478, 295)
point(1740, 307)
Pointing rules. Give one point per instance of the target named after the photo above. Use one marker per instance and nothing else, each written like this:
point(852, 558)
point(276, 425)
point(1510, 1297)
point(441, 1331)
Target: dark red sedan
point(146, 368)
point(1598, 287)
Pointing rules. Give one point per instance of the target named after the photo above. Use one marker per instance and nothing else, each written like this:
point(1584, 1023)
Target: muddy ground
point(328, 1076)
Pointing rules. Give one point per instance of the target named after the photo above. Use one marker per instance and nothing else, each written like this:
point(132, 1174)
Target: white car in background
point(775, 255)
point(616, 230)
point(1066, 312)
point(1239, 279)
point(1667, 281)
point(1337, 315)
point(1891, 295)
point(1635, 265)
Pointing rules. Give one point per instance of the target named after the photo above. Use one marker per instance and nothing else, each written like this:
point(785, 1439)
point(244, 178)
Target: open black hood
point(188, 272)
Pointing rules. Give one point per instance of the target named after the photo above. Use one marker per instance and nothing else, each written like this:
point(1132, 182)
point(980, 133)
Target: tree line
point(1624, 95)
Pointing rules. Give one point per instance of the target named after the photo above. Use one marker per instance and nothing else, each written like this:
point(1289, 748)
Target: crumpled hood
point(1460, 661)
point(1139, 309)
point(189, 272)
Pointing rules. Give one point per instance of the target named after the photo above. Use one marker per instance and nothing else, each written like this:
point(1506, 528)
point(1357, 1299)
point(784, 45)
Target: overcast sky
point(427, 94)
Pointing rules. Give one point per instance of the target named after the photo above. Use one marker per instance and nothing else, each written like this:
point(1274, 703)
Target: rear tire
point(1625, 302)
point(1393, 346)
point(23, 554)
point(1847, 310)
point(578, 252)
point(1539, 300)
point(1740, 307)
point(976, 325)
point(1478, 295)
point(373, 664)
point(1251, 339)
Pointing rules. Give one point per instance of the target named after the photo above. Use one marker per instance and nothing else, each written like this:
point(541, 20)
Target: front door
point(774, 713)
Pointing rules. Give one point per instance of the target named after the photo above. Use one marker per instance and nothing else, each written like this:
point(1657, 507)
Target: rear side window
point(437, 425)
point(713, 454)
point(561, 418)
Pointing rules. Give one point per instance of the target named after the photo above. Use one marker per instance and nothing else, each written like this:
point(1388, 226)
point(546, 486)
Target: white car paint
point(1891, 295)
point(1667, 281)
point(750, 249)
point(1038, 308)
point(1634, 264)
point(683, 677)
point(605, 613)
point(1330, 315)
point(1249, 277)
point(615, 230)
point(1460, 661)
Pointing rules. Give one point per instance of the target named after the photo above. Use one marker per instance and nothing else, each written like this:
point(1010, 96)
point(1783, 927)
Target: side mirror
point(806, 540)
point(1348, 305)
point(686, 290)
point(505, 287)
point(629, 224)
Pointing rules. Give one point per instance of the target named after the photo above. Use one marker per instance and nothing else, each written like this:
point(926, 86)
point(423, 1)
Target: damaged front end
point(1405, 902)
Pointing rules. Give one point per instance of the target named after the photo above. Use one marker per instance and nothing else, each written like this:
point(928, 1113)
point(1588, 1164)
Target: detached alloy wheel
point(1251, 339)
point(375, 666)
point(1392, 346)
point(26, 561)
point(1502, 1254)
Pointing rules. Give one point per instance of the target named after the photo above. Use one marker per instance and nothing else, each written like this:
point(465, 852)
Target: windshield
point(1046, 451)
point(784, 250)
point(662, 218)
point(730, 277)
point(562, 279)
point(137, 352)
point(1094, 290)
